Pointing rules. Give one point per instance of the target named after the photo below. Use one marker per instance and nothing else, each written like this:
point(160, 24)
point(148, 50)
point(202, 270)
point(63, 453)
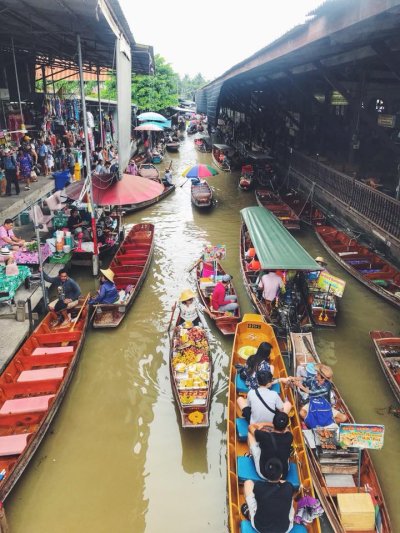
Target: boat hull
point(201, 195)
point(384, 341)
point(271, 201)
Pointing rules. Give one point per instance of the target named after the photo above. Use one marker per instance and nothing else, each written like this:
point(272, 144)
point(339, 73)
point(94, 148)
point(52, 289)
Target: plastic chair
point(40, 218)
point(54, 202)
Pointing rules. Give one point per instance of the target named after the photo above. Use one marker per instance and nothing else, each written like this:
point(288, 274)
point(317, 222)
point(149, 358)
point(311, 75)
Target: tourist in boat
point(269, 504)
point(220, 300)
point(254, 264)
point(262, 403)
point(8, 238)
point(107, 293)
point(68, 295)
point(259, 362)
point(191, 311)
point(318, 386)
point(271, 284)
point(266, 442)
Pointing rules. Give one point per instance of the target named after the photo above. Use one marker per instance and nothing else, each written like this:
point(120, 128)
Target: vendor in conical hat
point(191, 311)
point(107, 293)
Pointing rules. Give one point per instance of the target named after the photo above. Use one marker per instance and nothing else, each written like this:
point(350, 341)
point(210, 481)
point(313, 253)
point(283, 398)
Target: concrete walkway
point(12, 206)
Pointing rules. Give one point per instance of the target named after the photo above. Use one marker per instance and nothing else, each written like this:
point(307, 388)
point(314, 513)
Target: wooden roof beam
point(387, 57)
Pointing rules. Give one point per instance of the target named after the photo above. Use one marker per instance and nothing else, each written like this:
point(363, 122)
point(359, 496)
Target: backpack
point(319, 413)
point(9, 163)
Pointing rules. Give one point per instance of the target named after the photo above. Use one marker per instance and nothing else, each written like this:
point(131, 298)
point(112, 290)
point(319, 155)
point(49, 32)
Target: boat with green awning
point(278, 251)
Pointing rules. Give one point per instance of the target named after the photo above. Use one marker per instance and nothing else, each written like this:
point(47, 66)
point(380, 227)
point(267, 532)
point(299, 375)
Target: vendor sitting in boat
point(190, 310)
point(76, 225)
point(314, 274)
point(167, 179)
point(107, 293)
point(220, 300)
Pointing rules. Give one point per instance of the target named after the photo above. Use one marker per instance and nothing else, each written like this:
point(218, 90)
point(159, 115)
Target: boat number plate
point(254, 326)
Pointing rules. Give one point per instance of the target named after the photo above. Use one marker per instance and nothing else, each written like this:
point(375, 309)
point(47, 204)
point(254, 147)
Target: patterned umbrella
point(200, 171)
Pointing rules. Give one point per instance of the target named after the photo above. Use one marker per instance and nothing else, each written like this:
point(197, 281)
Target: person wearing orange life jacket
point(254, 264)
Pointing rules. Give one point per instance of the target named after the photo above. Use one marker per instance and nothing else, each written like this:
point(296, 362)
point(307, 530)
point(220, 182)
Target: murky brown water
point(115, 458)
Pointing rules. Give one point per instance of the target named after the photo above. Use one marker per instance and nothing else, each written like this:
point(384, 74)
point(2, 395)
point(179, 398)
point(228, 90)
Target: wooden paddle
point(172, 316)
point(65, 343)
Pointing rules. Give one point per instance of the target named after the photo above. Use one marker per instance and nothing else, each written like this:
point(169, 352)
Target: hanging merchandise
point(90, 119)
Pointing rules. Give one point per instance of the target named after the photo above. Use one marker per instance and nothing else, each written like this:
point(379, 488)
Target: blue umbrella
point(151, 116)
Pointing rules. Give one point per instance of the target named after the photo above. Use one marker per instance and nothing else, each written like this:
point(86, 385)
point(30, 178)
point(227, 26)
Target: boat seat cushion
point(247, 470)
point(246, 527)
point(13, 444)
point(242, 428)
point(241, 386)
point(42, 374)
point(53, 350)
point(32, 404)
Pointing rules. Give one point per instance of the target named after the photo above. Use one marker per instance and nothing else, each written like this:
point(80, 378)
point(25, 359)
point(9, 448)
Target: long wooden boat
point(148, 170)
point(274, 203)
point(387, 347)
point(173, 146)
point(246, 177)
point(251, 332)
point(130, 266)
point(190, 366)
point(33, 386)
point(131, 208)
point(361, 262)
point(217, 150)
point(304, 209)
point(201, 194)
point(262, 231)
point(225, 322)
point(335, 469)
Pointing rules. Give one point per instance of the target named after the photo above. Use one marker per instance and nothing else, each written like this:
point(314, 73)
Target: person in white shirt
point(190, 310)
point(271, 284)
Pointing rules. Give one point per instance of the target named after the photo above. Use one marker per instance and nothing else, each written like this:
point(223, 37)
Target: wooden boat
point(156, 158)
point(148, 170)
point(304, 209)
point(33, 386)
point(202, 144)
point(190, 366)
point(251, 332)
point(130, 266)
point(275, 204)
point(323, 305)
point(361, 262)
point(172, 146)
point(387, 348)
point(246, 177)
point(225, 322)
point(218, 150)
point(261, 230)
point(131, 208)
point(201, 194)
point(335, 469)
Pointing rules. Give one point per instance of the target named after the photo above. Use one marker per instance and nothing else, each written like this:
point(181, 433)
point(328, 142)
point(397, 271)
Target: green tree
point(189, 85)
point(155, 93)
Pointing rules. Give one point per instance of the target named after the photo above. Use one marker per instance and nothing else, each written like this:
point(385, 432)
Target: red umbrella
point(130, 190)
point(149, 127)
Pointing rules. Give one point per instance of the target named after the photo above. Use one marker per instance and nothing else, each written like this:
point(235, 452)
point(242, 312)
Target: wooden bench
point(42, 374)
point(50, 350)
point(13, 444)
point(27, 405)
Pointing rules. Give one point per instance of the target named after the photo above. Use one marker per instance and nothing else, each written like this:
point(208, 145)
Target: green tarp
point(276, 248)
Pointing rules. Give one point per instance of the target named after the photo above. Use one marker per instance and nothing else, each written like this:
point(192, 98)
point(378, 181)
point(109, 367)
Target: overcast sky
point(210, 36)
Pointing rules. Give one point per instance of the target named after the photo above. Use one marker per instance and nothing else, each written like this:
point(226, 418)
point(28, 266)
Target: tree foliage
point(189, 85)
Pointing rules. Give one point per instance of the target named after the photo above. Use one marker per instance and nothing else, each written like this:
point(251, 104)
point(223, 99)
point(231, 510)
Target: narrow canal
point(115, 458)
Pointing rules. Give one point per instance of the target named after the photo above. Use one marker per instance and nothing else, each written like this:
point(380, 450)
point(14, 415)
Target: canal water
point(115, 458)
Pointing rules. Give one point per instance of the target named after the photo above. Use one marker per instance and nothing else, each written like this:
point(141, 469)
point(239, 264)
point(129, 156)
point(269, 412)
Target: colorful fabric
point(32, 258)
point(10, 284)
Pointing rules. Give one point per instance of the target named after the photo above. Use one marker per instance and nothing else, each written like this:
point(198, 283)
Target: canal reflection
point(115, 458)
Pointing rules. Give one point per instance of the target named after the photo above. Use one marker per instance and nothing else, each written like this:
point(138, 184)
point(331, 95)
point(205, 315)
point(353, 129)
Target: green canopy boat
point(276, 249)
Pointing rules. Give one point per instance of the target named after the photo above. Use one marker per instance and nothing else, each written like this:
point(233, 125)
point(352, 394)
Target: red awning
point(130, 190)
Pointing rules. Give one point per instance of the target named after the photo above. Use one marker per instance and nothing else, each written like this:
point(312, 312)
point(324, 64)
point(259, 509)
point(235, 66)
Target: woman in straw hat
point(190, 310)
point(107, 293)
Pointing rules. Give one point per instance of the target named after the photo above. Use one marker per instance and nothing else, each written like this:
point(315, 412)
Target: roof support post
point(100, 113)
point(17, 83)
point(87, 151)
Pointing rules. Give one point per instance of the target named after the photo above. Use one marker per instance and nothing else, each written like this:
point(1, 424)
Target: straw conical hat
point(108, 273)
point(187, 294)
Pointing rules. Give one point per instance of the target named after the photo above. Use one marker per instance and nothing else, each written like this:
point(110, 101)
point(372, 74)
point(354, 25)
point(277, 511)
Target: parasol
point(200, 171)
point(129, 190)
point(150, 115)
point(149, 127)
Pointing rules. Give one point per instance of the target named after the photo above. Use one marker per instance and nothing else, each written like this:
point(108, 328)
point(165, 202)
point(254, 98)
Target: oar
point(172, 316)
point(80, 311)
point(309, 348)
point(186, 180)
point(323, 315)
point(195, 265)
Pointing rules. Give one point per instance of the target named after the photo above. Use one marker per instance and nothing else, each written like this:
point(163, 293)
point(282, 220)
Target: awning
point(276, 248)
point(129, 190)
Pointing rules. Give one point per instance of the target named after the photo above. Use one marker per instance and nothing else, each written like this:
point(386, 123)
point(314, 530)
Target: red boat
point(275, 204)
point(361, 262)
point(246, 177)
point(307, 212)
point(387, 348)
point(32, 387)
point(130, 266)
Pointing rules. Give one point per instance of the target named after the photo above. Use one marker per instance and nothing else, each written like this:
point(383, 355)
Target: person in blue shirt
point(107, 293)
point(68, 295)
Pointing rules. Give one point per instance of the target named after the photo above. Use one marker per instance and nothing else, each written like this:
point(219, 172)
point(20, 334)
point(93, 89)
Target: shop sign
point(331, 284)
point(387, 121)
point(214, 253)
point(361, 436)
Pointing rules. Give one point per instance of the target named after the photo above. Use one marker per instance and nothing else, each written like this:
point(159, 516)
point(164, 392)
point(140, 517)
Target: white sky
point(210, 36)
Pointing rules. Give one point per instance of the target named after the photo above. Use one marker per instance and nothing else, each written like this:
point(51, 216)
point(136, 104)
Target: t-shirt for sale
point(273, 444)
